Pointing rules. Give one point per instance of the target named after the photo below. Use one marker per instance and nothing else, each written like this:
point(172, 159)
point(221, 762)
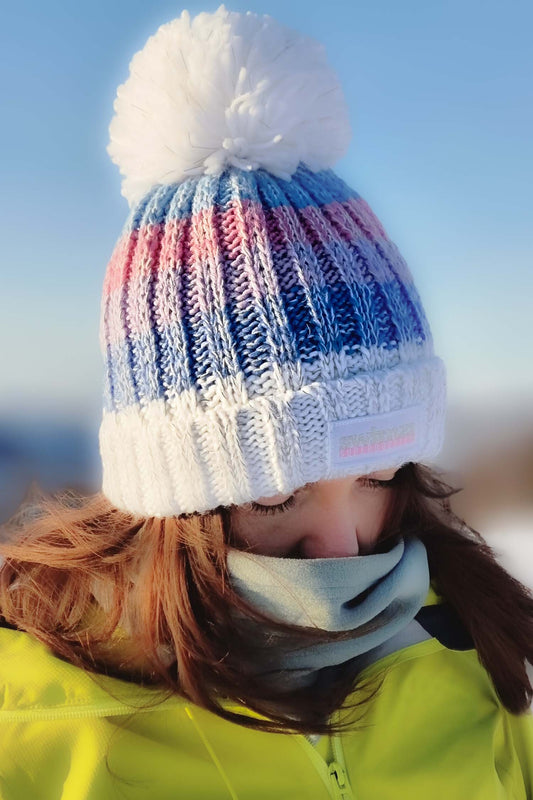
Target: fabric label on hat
point(366, 438)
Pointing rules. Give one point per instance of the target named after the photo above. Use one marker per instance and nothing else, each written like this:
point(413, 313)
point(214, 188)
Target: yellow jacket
point(435, 731)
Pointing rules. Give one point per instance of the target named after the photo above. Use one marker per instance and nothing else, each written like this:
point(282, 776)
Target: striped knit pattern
point(242, 314)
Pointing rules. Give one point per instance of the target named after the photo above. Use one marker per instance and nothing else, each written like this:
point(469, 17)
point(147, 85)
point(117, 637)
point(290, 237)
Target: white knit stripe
point(166, 458)
point(210, 443)
point(366, 360)
point(294, 375)
point(254, 445)
point(112, 457)
point(181, 445)
point(143, 459)
point(278, 433)
point(130, 443)
point(220, 452)
point(302, 375)
point(118, 460)
point(283, 440)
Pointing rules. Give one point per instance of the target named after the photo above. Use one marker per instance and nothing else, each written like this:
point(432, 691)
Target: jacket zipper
point(338, 780)
point(337, 772)
point(334, 773)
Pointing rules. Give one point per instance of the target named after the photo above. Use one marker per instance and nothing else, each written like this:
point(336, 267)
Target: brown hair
point(166, 579)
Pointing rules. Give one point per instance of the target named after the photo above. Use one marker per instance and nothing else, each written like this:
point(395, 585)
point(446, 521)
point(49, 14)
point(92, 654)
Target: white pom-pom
point(225, 88)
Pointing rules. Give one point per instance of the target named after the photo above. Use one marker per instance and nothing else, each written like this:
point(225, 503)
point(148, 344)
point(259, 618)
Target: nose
point(332, 533)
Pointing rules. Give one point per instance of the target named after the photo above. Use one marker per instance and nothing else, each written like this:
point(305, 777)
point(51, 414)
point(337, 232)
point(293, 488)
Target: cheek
point(278, 536)
point(379, 507)
point(369, 515)
point(372, 514)
point(259, 533)
point(244, 530)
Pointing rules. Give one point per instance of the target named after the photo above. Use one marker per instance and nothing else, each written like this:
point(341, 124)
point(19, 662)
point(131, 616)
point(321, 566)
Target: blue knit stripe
point(178, 372)
point(175, 200)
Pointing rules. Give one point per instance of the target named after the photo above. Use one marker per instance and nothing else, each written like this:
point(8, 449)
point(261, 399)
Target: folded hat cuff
point(172, 456)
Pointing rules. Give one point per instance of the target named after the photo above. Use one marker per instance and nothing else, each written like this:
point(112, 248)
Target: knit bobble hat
point(260, 330)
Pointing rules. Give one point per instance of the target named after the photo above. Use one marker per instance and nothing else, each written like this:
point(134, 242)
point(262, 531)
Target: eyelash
point(371, 483)
point(259, 509)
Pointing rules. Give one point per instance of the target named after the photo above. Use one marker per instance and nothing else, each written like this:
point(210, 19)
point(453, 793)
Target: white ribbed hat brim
point(173, 456)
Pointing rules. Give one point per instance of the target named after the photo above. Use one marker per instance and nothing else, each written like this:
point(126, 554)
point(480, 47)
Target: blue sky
point(440, 96)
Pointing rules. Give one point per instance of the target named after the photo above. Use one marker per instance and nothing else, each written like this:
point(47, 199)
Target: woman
point(271, 596)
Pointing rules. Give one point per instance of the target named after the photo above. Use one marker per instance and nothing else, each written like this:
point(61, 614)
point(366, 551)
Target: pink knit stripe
point(353, 219)
point(118, 265)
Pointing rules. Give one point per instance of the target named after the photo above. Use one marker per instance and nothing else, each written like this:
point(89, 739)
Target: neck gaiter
point(386, 589)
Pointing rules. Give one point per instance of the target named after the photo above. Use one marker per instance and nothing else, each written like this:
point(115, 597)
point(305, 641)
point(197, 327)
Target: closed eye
point(373, 483)
point(370, 483)
point(280, 507)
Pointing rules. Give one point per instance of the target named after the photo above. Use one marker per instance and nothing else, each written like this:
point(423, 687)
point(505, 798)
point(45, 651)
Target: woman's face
point(327, 519)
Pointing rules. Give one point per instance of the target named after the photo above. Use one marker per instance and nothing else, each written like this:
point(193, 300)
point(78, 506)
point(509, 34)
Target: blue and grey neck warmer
point(336, 594)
